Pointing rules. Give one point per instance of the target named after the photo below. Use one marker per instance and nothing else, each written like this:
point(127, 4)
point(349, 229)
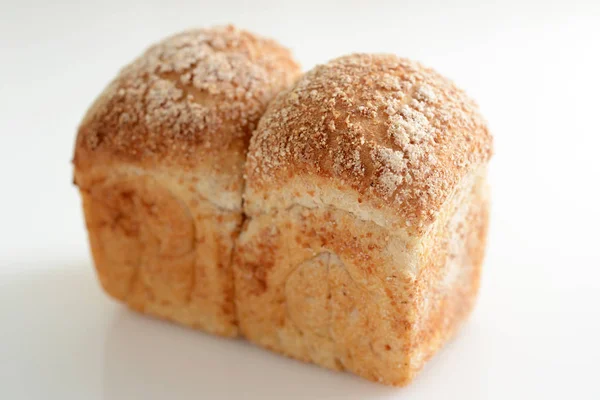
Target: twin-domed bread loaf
point(367, 213)
point(159, 163)
point(361, 237)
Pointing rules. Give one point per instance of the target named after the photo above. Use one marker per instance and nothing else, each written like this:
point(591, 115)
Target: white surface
point(533, 69)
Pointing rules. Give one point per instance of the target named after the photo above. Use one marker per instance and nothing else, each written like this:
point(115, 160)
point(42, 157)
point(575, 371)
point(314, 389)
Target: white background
point(534, 69)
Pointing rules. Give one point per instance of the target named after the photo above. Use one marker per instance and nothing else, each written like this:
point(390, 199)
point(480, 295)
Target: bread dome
point(397, 134)
point(190, 102)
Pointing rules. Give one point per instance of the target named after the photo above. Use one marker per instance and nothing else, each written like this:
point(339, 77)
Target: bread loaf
point(159, 162)
point(367, 211)
point(359, 242)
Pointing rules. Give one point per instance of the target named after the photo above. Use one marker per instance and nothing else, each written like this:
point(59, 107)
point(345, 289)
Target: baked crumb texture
point(159, 163)
point(367, 213)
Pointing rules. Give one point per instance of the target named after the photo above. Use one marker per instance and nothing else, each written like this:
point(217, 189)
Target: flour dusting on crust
point(201, 90)
point(393, 130)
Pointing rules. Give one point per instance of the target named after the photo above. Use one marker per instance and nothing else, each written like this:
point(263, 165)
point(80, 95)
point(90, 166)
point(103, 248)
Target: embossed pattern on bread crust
point(162, 248)
point(320, 285)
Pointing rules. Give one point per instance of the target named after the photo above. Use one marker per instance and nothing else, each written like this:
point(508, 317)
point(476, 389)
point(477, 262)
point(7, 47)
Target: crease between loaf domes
point(397, 133)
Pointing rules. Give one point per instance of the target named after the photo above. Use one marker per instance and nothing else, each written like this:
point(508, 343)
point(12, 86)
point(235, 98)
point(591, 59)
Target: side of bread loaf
point(323, 286)
point(161, 247)
point(159, 163)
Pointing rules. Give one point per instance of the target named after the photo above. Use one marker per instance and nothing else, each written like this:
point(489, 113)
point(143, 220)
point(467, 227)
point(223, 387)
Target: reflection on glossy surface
point(155, 360)
point(66, 339)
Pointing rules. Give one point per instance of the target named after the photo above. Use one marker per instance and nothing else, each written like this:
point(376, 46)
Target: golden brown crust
point(196, 94)
point(397, 133)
